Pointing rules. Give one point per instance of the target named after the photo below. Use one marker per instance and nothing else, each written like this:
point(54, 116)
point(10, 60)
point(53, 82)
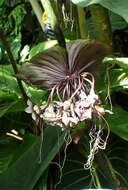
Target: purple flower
point(74, 85)
point(48, 68)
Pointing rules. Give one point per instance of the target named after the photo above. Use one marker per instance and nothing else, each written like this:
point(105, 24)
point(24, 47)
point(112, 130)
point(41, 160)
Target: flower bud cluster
point(68, 113)
point(74, 106)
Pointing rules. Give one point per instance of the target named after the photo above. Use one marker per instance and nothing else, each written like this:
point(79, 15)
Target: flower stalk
point(13, 63)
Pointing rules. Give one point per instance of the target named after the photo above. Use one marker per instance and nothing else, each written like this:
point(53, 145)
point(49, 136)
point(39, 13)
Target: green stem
point(108, 170)
point(96, 178)
point(38, 11)
point(102, 25)
point(12, 61)
point(82, 23)
point(116, 181)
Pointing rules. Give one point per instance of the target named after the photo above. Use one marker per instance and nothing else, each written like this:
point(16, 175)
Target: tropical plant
point(76, 91)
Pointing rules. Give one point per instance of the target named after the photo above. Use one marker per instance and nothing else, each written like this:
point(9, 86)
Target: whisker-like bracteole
point(72, 98)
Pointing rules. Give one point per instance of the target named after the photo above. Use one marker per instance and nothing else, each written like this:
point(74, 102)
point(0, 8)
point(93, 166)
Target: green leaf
point(118, 79)
point(13, 106)
point(117, 22)
point(8, 82)
point(41, 47)
point(9, 87)
point(1, 2)
point(25, 170)
point(121, 61)
point(5, 154)
point(85, 3)
point(75, 177)
point(118, 122)
point(16, 46)
point(36, 95)
point(118, 7)
point(4, 95)
point(43, 181)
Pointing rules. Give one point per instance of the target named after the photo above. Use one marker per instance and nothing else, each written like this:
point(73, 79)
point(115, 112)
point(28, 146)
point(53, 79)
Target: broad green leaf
point(18, 106)
point(24, 169)
point(11, 106)
point(9, 87)
point(8, 82)
point(118, 79)
point(75, 177)
point(117, 22)
point(118, 122)
point(43, 181)
point(41, 47)
point(8, 69)
point(5, 153)
point(16, 46)
point(117, 6)
point(121, 61)
point(85, 3)
point(1, 2)
point(4, 95)
point(36, 95)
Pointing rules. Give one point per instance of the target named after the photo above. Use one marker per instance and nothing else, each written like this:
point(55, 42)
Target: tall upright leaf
point(118, 7)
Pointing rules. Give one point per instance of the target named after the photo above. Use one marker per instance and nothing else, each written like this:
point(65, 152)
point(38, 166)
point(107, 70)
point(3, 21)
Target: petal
point(36, 109)
point(87, 114)
point(41, 116)
point(28, 110)
point(49, 67)
point(108, 111)
point(74, 120)
point(67, 104)
point(86, 55)
point(65, 118)
point(29, 103)
point(45, 69)
point(82, 95)
point(33, 116)
point(49, 113)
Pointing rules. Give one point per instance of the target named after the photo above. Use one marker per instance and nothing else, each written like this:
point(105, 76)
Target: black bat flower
point(71, 76)
point(48, 68)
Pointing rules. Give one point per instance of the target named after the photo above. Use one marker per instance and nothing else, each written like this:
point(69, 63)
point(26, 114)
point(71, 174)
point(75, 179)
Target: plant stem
point(102, 24)
point(54, 23)
point(107, 169)
point(97, 179)
point(50, 12)
point(38, 11)
point(82, 23)
point(116, 181)
point(12, 61)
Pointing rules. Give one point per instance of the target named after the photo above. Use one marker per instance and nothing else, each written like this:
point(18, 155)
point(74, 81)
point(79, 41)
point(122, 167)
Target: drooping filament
point(76, 101)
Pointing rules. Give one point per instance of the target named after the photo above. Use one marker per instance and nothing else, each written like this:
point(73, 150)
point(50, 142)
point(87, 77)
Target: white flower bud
point(36, 109)
point(65, 118)
point(66, 104)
